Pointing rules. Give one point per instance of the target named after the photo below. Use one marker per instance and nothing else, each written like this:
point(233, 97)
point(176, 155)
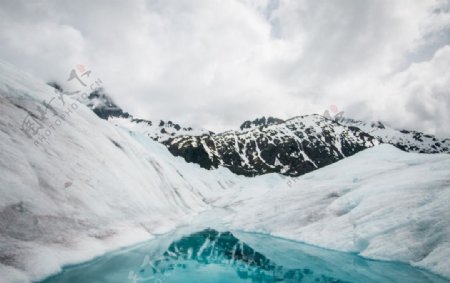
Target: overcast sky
point(214, 64)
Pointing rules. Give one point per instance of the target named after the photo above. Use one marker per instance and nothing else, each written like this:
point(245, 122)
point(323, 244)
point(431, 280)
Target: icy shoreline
point(287, 255)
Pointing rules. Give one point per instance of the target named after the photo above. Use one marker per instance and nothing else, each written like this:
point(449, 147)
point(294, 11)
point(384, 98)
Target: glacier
point(85, 187)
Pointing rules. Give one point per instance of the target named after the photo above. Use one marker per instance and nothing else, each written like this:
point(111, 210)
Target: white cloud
point(216, 63)
point(426, 99)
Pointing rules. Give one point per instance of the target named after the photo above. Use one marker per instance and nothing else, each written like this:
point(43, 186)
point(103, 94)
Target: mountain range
point(290, 147)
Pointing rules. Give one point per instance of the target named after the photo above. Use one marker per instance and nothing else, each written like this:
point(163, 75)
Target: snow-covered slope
point(382, 203)
point(74, 186)
point(406, 140)
point(158, 130)
point(74, 189)
point(94, 98)
point(105, 107)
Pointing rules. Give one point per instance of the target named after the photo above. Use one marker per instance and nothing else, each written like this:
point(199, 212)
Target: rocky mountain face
point(411, 141)
point(268, 145)
point(104, 106)
point(296, 146)
point(247, 125)
point(98, 101)
point(158, 130)
point(293, 147)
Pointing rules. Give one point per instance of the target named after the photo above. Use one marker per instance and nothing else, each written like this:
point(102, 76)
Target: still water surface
point(212, 256)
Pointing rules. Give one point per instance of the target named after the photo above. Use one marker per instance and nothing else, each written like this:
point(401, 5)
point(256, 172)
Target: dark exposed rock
point(411, 141)
point(293, 147)
point(260, 122)
point(101, 103)
point(104, 106)
point(55, 85)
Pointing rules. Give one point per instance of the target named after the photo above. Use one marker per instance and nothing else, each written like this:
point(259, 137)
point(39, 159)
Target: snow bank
point(88, 187)
point(381, 203)
point(81, 186)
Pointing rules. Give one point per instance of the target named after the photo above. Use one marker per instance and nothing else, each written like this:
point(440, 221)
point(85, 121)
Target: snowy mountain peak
point(263, 121)
point(406, 140)
point(98, 101)
point(158, 130)
point(292, 147)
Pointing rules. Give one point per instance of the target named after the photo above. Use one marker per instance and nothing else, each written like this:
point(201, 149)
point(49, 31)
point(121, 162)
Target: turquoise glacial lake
point(212, 256)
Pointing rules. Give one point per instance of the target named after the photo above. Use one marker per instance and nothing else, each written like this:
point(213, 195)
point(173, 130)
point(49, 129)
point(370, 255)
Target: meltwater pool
point(212, 256)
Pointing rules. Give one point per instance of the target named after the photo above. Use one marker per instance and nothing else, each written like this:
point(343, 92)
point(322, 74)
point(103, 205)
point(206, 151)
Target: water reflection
point(213, 256)
point(212, 247)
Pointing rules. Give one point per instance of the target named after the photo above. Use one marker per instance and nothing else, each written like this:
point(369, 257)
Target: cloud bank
point(213, 64)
